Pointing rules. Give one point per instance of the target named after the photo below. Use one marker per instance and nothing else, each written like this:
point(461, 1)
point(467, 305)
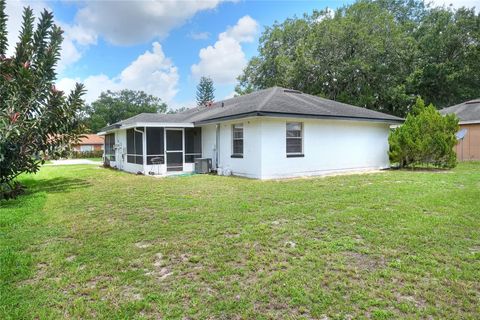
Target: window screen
point(109, 143)
point(294, 138)
point(155, 145)
point(134, 146)
point(237, 140)
point(193, 144)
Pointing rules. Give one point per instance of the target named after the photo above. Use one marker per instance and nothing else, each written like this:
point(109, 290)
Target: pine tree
point(205, 91)
point(36, 119)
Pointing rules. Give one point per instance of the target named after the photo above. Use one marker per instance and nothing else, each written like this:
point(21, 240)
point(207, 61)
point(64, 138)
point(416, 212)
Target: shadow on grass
point(55, 185)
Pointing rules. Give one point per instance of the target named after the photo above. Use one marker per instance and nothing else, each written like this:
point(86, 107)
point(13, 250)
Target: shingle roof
point(274, 101)
point(91, 139)
point(467, 112)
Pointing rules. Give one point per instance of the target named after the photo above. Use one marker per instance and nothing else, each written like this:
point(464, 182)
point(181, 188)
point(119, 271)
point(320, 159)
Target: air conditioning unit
point(203, 165)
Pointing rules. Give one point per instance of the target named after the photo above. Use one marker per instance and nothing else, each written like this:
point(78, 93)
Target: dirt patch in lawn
point(364, 262)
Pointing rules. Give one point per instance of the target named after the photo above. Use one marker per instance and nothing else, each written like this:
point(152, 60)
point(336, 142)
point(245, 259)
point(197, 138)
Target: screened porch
point(159, 150)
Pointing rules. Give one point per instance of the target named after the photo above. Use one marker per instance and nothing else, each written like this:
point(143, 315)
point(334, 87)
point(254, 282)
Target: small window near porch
point(237, 140)
point(294, 139)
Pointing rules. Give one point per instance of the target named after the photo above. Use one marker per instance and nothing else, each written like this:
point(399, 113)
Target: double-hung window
point(237, 140)
point(294, 139)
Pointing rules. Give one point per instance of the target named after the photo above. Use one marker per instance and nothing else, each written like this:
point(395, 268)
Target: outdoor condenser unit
point(203, 165)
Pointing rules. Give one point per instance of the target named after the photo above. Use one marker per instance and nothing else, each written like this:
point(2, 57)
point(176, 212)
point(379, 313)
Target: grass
point(87, 242)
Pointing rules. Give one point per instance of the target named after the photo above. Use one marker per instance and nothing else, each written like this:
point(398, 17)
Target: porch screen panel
point(155, 145)
point(109, 143)
point(193, 144)
point(134, 146)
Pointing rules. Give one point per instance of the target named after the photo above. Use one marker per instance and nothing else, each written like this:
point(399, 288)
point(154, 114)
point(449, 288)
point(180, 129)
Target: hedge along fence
point(86, 154)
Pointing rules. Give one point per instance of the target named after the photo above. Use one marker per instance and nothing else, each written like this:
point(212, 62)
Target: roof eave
point(296, 115)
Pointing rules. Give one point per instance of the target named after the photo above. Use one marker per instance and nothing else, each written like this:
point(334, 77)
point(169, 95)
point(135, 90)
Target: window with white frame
point(294, 139)
point(86, 148)
point(237, 140)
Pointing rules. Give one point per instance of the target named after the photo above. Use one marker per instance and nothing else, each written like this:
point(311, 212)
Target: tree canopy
point(205, 91)
point(36, 119)
point(112, 107)
point(375, 54)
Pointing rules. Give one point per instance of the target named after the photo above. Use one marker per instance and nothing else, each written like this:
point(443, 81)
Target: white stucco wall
point(329, 146)
point(250, 164)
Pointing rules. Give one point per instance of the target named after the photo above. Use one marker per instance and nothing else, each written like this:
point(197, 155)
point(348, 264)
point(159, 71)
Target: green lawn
point(87, 242)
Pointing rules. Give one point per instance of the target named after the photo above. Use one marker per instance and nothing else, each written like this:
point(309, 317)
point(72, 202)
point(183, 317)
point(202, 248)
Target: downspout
point(217, 146)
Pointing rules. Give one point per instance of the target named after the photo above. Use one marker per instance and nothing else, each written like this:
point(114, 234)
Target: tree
point(36, 119)
point(112, 107)
point(426, 137)
point(378, 54)
point(205, 91)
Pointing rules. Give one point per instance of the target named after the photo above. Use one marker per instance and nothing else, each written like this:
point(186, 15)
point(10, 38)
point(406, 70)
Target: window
point(294, 139)
point(109, 143)
point(86, 148)
point(193, 144)
point(134, 146)
point(237, 140)
point(155, 148)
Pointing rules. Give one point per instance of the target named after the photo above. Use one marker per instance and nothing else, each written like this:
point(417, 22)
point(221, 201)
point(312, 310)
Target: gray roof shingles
point(274, 101)
point(468, 111)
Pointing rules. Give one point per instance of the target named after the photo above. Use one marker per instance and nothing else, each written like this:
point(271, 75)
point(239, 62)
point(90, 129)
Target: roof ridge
point(267, 98)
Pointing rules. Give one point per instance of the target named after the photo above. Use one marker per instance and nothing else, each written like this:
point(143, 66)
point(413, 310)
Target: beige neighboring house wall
point(468, 113)
point(469, 147)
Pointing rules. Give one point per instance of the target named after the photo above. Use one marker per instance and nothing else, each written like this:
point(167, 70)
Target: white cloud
point(199, 35)
point(14, 11)
point(131, 22)
point(76, 38)
point(457, 3)
point(151, 72)
point(225, 60)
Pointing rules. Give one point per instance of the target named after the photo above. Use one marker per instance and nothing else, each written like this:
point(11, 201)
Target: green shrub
point(426, 138)
point(86, 154)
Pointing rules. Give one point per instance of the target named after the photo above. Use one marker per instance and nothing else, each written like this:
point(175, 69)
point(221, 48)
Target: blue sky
point(161, 47)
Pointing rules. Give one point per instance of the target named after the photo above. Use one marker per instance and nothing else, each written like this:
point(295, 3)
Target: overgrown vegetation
point(36, 119)
point(91, 243)
point(378, 54)
point(426, 138)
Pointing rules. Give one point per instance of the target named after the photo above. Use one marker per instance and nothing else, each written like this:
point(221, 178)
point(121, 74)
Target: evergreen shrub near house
point(36, 119)
point(426, 138)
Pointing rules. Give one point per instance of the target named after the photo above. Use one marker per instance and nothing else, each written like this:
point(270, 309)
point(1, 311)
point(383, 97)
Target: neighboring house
point(468, 113)
point(271, 133)
point(89, 142)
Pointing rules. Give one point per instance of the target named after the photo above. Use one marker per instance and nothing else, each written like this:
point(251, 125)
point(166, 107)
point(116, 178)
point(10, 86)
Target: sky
point(163, 47)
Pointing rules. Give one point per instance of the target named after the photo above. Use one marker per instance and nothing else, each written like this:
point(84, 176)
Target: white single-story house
point(271, 133)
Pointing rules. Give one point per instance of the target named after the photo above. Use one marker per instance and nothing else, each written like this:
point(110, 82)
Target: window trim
point(301, 138)
point(238, 155)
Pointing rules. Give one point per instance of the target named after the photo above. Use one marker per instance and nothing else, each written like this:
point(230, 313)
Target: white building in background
point(268, 134)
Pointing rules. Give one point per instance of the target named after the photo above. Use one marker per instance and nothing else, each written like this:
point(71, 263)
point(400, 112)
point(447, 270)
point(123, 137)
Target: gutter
point(297, 115)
